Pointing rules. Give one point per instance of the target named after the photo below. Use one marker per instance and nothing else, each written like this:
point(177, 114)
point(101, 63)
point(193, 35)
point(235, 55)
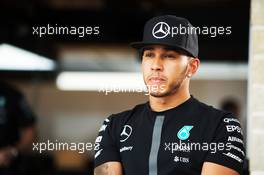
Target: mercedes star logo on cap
point(161, 30)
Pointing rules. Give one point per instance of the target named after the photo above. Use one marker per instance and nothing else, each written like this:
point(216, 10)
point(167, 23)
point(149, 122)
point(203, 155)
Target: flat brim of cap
point(140, 45)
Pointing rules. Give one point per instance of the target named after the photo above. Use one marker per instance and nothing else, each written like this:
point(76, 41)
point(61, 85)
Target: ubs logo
point(126, 132)
point(161, 30)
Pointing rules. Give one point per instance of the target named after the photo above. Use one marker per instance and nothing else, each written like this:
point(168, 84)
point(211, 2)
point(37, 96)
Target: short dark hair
point(181, 51)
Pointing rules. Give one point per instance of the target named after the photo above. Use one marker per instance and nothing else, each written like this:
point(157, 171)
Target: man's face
point(164, 70)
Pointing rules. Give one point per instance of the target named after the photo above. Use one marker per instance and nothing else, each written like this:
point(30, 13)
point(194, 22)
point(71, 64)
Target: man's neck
point(159, 104)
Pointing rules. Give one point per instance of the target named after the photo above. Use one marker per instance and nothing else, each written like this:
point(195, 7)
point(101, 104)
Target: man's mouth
point(156, 80)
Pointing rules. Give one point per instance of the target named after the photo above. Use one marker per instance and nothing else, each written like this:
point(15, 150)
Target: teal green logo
point(184, 132)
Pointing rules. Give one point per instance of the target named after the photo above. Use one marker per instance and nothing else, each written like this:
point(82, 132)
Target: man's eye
point(169, 56)
point(149, 55)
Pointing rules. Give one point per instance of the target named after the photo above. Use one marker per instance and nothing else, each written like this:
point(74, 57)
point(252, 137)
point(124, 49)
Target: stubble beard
point(171, 89)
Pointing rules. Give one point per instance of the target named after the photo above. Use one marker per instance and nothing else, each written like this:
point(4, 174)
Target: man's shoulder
point(126, 114)
point(211, 112)
point(217, 121)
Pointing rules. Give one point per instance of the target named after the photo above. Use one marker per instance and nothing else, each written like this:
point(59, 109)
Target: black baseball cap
point(172, 31)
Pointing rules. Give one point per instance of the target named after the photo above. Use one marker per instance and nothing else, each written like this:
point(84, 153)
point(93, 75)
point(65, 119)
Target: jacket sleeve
point(106, 143)
point(232, 154)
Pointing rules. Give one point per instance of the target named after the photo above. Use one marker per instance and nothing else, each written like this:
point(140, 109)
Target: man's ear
point(194, 64)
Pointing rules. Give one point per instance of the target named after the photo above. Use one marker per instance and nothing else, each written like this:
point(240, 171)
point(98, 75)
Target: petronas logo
point(184, 132)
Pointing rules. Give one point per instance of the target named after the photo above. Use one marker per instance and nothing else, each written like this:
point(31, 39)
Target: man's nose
point(157, 64)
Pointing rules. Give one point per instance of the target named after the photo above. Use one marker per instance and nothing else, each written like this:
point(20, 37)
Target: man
point(173, 133)
point(17, 128)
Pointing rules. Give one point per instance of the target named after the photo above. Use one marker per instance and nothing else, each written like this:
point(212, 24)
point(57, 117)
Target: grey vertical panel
point(156, 136)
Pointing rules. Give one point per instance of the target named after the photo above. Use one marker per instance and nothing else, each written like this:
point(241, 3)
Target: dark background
point(121, 22)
